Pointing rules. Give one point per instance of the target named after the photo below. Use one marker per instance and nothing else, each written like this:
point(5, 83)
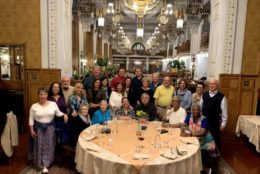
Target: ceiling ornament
point(140, 7)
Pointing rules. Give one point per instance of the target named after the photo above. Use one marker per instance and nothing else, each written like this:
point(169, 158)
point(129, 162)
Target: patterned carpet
point(224, 168)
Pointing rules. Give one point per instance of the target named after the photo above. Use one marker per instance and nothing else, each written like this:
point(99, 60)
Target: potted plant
point(102, 62)
point(174, 65)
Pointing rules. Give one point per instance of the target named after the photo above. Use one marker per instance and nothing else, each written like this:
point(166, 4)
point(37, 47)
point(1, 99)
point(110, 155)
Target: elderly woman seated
point(147, 107)
point(198, 126)
point(102, 115)
point(126, 111)
point(175, 115)
point(80, 122)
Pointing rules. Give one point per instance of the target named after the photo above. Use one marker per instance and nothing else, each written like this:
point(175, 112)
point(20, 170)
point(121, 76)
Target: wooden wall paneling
point(11, 84)
point(249, 90)
point(99, 47)
point(241, 92)
point(89, 47)
point(49, 76)
point(230, 87)
point(75, 44)
point(34, 79)
point(106, 50)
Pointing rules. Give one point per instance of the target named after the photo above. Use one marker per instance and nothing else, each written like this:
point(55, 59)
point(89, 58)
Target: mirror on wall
point(12, 62)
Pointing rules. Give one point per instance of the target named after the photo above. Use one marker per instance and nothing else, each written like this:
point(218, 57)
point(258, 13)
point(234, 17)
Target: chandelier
point(140, 7)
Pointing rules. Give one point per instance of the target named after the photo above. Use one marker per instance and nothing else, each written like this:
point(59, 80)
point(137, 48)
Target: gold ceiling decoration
point(140, 7)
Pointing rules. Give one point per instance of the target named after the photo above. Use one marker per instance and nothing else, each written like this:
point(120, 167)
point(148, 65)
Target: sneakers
point(45, 170)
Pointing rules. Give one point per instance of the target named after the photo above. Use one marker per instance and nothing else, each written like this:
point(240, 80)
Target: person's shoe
point(45, 170)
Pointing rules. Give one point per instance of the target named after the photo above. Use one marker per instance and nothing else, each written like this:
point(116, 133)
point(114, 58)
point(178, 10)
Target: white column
point(195, 38)
point(222, 33)
point(56, 35)
point(44, 34)
point(239, 36)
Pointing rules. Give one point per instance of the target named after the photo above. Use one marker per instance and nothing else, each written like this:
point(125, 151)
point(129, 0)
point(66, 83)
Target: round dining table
point(124, 151)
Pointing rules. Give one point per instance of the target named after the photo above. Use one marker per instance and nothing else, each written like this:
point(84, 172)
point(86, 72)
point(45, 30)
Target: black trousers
point(216, 133)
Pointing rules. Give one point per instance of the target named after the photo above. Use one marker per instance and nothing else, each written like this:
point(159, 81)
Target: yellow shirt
point(164, 95)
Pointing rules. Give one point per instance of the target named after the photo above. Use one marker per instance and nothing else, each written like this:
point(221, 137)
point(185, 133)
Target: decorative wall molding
point(229, 35)
point(52, 35)
point(222, 37)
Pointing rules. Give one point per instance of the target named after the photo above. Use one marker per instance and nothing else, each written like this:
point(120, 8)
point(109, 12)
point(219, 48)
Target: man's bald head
point(213, 85)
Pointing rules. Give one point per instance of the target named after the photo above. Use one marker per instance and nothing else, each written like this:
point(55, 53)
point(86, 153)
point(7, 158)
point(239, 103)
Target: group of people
point(64, 111)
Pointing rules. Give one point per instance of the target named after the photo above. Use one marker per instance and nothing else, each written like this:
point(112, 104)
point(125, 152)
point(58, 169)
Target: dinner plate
point(186, 140)
point(87, 136)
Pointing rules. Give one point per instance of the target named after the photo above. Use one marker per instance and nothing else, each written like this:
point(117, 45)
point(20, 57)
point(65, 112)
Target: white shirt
point(43, 114)
point(223, 106)
point(115, 99)
point(176, 117)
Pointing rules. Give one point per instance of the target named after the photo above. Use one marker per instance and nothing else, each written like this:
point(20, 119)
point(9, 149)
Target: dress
point(41, 118)
point(209, 152)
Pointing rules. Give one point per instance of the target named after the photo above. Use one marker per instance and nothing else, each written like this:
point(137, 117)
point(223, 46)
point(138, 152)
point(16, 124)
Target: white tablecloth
point(94, 159)
point(250, 126)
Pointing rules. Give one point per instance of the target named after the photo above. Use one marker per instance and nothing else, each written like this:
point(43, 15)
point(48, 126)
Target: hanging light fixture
point(101, 19)
point(180, 20)
point(140, 28)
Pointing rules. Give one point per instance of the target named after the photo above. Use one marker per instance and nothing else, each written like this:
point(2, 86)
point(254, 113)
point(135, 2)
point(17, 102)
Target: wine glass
point(166, 138)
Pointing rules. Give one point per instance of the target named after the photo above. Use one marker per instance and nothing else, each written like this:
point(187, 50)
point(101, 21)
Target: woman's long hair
point(50, 93)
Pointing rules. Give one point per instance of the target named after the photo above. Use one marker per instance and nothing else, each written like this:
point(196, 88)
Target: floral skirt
point(44, 146)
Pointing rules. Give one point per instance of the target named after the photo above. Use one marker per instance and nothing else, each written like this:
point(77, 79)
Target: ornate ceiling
point(158, 19)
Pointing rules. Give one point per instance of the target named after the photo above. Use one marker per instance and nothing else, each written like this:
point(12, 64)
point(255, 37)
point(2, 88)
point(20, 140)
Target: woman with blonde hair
point(77, 98)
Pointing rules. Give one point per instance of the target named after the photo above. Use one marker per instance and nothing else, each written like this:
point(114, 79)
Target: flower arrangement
point(141, 114)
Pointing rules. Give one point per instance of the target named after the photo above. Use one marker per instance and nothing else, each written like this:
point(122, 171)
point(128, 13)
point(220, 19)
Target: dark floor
point(241, 156)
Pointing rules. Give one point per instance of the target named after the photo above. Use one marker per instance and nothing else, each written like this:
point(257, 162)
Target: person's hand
point(92, 105)
point(222, 128)
point(66, 118)
point(74, 114)
point(33, 134)
point(84, 93)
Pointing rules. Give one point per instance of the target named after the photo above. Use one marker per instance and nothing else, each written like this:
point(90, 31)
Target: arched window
point(138, 47)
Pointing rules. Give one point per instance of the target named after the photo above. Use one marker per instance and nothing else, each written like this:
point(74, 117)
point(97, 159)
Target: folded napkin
point(169, 154)
point(92, 147)
point(138, 156)
point(181, 150)
point(87, 136)
point(186, 140)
